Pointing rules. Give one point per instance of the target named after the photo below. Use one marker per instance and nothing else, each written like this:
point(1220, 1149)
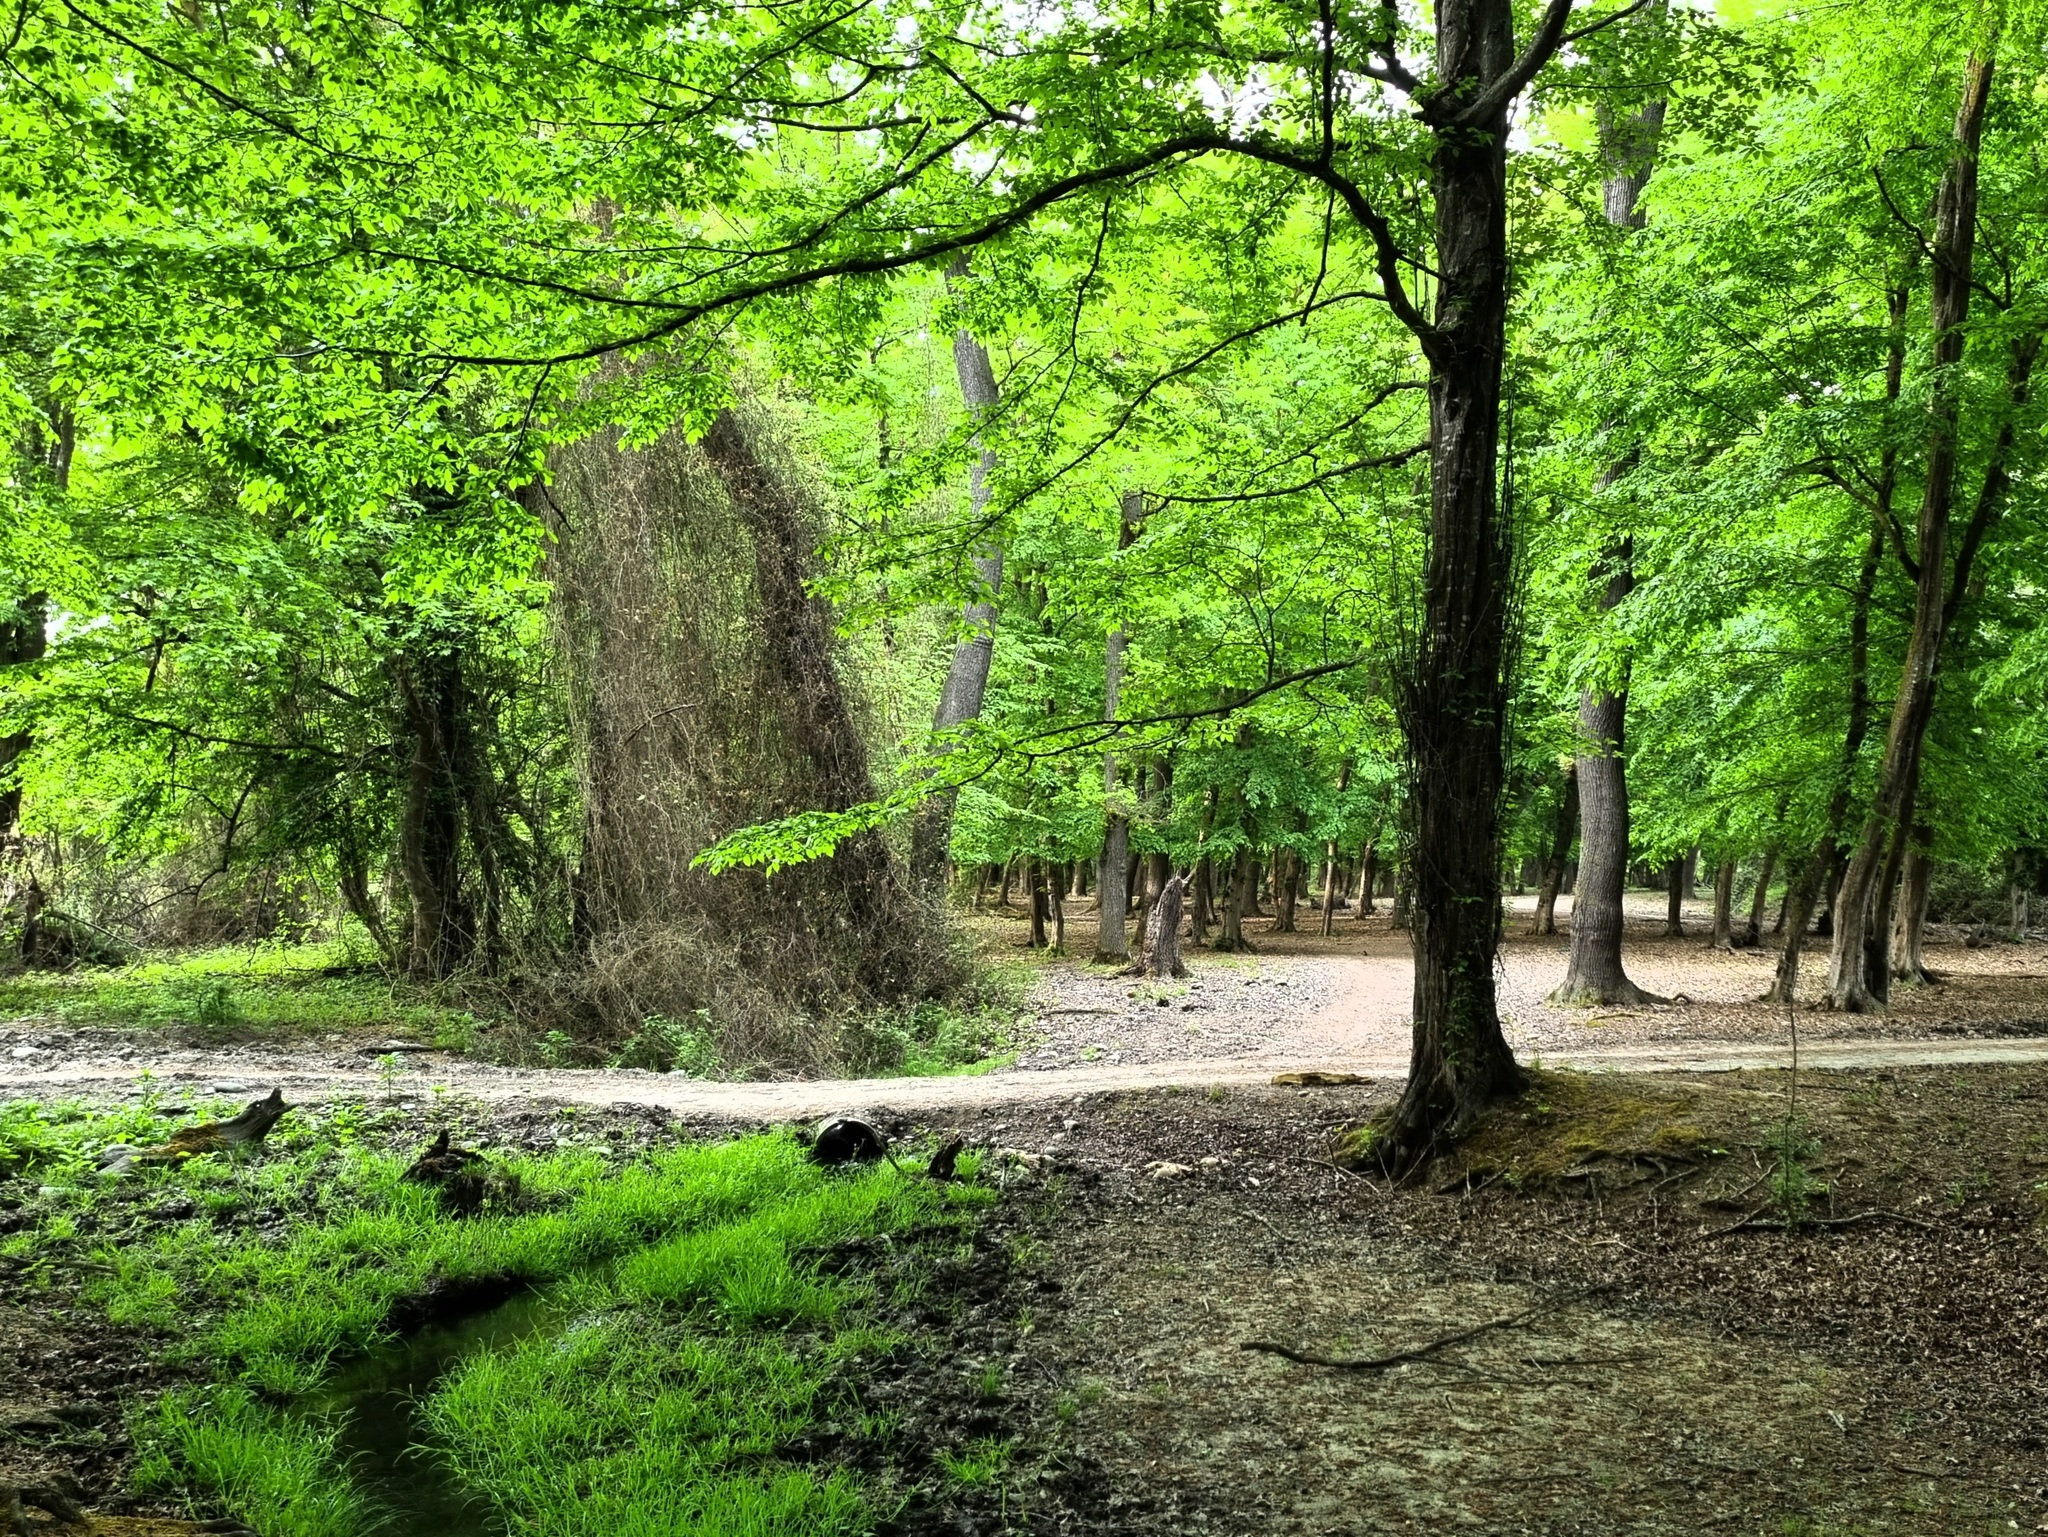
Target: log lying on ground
point(246, 1130)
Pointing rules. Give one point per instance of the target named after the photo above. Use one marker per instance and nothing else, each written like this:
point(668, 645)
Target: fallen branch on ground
point(1419, 1352)
point(1756, 1221)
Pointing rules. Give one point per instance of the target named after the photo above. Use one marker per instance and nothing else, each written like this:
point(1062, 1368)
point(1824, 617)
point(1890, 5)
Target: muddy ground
point(1674, 1363)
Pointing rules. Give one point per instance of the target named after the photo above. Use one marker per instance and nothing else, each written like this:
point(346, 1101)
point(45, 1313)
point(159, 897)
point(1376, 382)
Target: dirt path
point(695, 1098)
point(1301, 1001)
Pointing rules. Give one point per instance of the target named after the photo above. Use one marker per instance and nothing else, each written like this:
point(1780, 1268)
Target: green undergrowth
point(234, 991)
point(697, 1320)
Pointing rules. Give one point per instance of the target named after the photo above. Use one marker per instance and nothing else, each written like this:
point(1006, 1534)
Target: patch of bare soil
point(1661, 1360)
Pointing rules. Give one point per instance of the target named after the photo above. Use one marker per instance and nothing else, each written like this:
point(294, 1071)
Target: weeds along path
point(793, 1100)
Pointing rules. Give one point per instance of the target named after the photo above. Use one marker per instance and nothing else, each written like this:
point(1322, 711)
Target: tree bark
point(1803, 890)
point(1561, 831)
point(431, 692)
point(1594, 974)
point(1368, 876)
point(1237, 900)
point(1753, 931)
point(1041, 904)
point(1674, 899)
point(1162, 936)
point(1909, 963)
point(23, 642)
point(47, 448)
point(1723, 937)
point(1860, 935)
point(931, 831)
point(1286, 888)
point(1112, 896)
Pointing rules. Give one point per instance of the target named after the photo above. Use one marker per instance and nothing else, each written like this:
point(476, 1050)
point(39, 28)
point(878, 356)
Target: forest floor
point(1597, 1319)
point(1299, 1001)
point(1701, 1312)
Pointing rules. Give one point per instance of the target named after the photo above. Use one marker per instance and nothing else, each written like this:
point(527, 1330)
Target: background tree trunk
point(931, 830)
point(1560, 849)
point(431, 691)
point(1912, 914)
point(1368, 876)
point(1953, 248)
point(1594, 972)
point(1723, 937)
point(1674, 899)
point(1041, 902)
point(23, 643)
point(1753, 931)
point(1237, 899)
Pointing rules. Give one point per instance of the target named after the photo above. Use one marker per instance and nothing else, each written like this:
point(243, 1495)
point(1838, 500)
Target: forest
point(812, 556)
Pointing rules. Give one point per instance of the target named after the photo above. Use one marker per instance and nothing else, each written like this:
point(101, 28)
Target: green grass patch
point(700, 1316)
point(276, 1473)
point(243, 990)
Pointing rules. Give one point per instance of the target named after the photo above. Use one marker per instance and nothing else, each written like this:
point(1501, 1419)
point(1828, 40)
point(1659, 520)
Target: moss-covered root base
point(1573, 994)
point(1428, 1120)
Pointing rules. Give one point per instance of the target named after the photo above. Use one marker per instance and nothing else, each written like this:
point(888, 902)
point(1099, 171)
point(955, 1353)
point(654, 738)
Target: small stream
point(377, 1401)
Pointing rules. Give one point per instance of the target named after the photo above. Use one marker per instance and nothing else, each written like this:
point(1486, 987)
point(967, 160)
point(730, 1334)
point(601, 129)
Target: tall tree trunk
point(1112, 895)
point(1561, 831)
point(1237, 900)
point(1594, 973)
point(1753, 931)
point(1955, 223)
point(1803, 890)
point(1674, 898)
point(431, 691)
point(1331, 890)
point(1452, 705)
point(1202, 910)
point(1286, 886)
point(1041, 903)
point(931, 830)
point(1723, 937)
point(1368, 876)
point(46, 450)
point(1908, 962)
